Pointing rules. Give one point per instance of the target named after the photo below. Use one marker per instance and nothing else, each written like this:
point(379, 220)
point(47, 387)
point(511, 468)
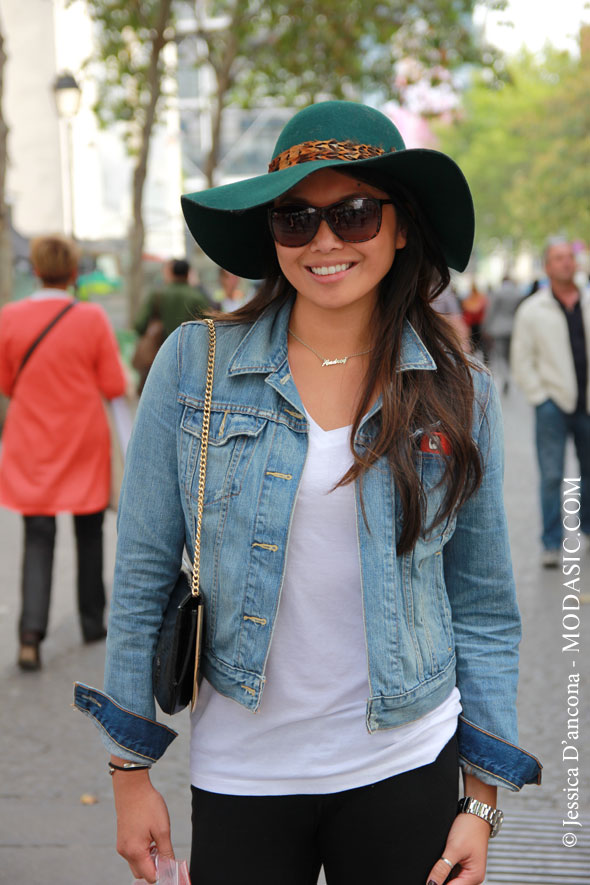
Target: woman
point(354, 473)
point(232, 297)
point(475, 307)
point(55, 444)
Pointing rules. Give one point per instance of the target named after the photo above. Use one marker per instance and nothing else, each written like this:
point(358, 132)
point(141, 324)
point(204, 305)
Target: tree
point(296, 52)
point(558, 181)
point(131, 38)
point(5, 227)
point(524, 149)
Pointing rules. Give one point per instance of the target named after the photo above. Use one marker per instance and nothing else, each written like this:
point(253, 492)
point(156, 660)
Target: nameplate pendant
point(341, 362)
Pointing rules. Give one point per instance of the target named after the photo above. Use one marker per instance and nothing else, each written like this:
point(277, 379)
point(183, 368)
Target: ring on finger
point(446, 860)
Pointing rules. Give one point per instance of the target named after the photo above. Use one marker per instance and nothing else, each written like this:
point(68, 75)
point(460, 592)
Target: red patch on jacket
point(435, 444)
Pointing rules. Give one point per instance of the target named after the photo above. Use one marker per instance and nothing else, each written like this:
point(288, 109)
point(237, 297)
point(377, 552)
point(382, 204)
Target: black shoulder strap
point(41, 336)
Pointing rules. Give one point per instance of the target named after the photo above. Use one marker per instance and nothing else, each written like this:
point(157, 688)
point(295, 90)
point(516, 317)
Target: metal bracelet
point(127, 766)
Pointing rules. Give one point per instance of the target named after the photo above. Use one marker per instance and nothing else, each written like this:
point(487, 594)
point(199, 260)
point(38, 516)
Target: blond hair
point(54, 258)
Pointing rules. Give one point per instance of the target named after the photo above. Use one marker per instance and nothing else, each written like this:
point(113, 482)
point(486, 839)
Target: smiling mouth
point(328, 270)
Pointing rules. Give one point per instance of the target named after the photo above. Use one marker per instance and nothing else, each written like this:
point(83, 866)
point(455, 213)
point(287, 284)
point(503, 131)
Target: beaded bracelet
point(127, 766)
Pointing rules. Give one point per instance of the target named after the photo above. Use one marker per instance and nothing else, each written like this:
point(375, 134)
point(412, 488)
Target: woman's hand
point(467, 845)
point(142, 820)
point(467, 842)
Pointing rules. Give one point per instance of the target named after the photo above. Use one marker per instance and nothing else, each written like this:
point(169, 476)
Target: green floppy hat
point(230, 222)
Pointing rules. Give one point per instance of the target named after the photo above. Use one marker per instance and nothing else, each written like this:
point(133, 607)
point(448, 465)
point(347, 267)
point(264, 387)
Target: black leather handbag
point(176, 665)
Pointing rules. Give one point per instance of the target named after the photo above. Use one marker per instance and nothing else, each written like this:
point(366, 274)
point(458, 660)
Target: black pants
point(37, 573)
point(391, 832)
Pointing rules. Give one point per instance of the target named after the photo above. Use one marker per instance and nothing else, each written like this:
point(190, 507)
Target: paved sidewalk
point(51, 755)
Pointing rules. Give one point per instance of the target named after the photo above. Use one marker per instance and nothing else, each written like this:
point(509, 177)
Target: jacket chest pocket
point(233, 439)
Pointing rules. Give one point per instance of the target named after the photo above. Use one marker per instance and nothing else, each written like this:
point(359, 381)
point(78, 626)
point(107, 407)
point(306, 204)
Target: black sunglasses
point(354, 220)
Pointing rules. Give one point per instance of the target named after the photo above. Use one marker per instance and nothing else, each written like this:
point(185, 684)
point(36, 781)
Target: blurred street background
point(109, 110)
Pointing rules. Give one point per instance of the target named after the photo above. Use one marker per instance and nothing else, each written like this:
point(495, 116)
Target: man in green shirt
point(175, 302)
point(165, 309)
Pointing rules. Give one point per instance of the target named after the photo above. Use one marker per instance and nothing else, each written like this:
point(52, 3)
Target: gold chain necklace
point(326, 362)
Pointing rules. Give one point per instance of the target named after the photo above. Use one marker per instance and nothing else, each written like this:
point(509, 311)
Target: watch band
point(493, 816)
point(127, 766)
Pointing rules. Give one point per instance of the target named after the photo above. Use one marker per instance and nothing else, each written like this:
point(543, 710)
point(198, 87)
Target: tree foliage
point(123, 62)
point(131, 37)
point(524, 148)
point(295, 52)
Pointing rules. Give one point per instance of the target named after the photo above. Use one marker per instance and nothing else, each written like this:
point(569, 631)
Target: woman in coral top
point(55, 453)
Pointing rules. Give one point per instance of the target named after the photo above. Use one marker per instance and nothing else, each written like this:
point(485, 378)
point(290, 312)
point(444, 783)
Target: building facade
point(72, 176)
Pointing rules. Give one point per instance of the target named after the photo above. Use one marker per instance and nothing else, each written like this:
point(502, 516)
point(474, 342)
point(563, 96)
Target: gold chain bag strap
point(176, 674)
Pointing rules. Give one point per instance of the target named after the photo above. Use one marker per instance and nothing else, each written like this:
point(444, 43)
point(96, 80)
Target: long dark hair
point(413, 401)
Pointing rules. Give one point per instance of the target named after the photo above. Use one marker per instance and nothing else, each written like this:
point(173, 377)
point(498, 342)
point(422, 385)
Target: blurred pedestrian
point(474, 307)
point(58, 359)
point(354, 556)
point(166, 307)
point(233, 296)
point(448, 305)
point(497, 326)
point(549, 358)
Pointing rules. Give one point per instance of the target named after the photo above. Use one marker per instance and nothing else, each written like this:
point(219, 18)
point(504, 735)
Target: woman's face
point(328, 271)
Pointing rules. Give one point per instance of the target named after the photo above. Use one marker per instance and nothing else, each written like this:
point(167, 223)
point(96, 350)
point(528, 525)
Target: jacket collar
point(546, 297)
point(264, 347)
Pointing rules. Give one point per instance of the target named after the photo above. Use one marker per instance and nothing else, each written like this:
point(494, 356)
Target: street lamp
point(67, 102)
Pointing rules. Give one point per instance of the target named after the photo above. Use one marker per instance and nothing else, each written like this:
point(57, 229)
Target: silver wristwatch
point(469, 805)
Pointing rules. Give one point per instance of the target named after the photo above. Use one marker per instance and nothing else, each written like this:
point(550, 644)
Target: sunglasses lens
point(355, 220)
point(294, 227)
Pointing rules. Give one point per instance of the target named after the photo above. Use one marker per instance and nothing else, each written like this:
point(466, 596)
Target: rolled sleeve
point(123, 733)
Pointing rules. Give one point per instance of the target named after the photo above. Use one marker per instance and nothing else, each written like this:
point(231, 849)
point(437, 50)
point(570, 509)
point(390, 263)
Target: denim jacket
point(441, 614)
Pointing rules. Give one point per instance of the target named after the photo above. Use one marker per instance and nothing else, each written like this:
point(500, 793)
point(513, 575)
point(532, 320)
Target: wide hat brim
point(230, 222)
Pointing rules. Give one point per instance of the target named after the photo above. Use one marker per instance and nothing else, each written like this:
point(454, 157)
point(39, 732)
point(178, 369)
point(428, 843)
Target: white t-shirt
point(309, 734)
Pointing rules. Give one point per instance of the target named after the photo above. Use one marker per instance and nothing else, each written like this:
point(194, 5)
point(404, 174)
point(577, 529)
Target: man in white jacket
point(549, 361)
